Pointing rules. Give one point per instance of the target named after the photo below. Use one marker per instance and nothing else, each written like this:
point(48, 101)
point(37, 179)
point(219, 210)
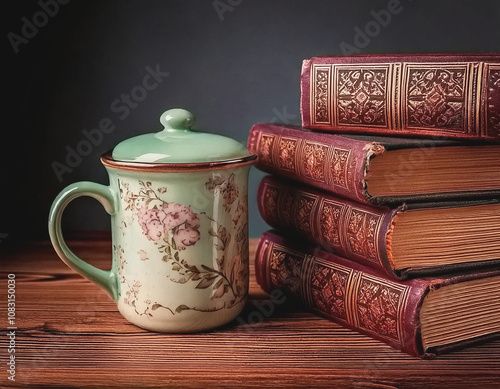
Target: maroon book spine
point(353, 295)
point(444, 95)
point(359, 232)
point(350, 229)
point(330, 162)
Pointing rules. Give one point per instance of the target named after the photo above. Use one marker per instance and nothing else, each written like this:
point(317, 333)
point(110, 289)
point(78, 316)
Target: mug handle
point(105, 195)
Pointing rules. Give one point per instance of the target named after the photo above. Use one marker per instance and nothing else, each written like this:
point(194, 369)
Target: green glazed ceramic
point(179, 218)
point(178, 143)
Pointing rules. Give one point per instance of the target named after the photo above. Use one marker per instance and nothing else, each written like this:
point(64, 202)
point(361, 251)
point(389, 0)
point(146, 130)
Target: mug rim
point(108, 161)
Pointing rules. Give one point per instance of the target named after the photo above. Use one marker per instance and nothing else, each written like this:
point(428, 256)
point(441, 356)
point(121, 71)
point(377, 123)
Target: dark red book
point(423, 317)
point(446, 95)
point(405, 241)
point(378, 169)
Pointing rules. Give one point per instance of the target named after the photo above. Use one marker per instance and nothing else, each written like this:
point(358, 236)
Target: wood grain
point(70, 334)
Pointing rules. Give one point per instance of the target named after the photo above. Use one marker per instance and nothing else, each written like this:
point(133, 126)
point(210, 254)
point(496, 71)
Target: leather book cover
point(356, 296)
point(340, 164)
point(350, 229)
point(330, 162)
point(445, 95)
point(356, 231)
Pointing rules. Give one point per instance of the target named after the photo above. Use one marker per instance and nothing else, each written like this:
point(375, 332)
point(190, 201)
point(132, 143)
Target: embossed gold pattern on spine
point(454, 97)
point(492, 106)
point(326, 164)
point(342, 228)
point(347, 295)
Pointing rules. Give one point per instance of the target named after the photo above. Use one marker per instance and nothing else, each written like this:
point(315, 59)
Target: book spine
point(447, 96)
point(352, 230)
point(330, 286)
point(332, 163)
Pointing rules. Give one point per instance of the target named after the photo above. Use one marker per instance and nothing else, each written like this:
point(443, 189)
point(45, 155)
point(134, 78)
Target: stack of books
point(385, 204)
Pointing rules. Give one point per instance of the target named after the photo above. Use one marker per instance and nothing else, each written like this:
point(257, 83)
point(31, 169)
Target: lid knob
point(177, 119)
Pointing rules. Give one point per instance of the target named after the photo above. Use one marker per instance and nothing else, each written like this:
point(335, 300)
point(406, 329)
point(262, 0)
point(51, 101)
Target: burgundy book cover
point(353, 295)
point(359, 232)
point(339, 163)
point(446, 95)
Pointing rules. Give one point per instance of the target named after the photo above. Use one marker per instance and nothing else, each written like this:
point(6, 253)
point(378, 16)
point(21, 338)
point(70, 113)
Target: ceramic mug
point(180, 260)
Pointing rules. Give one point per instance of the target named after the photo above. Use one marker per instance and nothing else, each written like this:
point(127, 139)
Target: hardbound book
point(405, 241)
point(423, 317)
point(447, 95)
point(378, 169)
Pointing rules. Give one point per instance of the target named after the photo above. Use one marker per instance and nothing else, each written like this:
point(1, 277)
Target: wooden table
point(69, 334)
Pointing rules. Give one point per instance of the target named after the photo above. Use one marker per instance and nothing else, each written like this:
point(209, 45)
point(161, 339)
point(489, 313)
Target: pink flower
point(192, 220)
point(171, 221)
point(155, 230)
point(157, 222)
point(150, 223)
point(186, 237)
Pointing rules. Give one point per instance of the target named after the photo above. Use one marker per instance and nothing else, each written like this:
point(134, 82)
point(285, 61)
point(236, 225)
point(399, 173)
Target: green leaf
point(176, 267)
point(183, 280)
point(181, 308)
point(206, 282)
point(218, 283)
point(220, 290)
point(220, 262)
point(193, 268)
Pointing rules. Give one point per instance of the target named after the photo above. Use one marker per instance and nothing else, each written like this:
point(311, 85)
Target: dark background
point(231, 62)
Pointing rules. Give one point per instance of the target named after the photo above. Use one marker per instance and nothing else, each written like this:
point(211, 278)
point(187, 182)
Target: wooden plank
point(69, 333)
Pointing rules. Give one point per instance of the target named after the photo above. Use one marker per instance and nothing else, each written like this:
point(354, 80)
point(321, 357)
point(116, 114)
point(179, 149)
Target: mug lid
point(177, 143)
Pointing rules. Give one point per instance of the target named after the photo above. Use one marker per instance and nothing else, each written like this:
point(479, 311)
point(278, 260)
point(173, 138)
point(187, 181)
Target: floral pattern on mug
point(173, 219)
point(227, 188)
point(173, 227)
